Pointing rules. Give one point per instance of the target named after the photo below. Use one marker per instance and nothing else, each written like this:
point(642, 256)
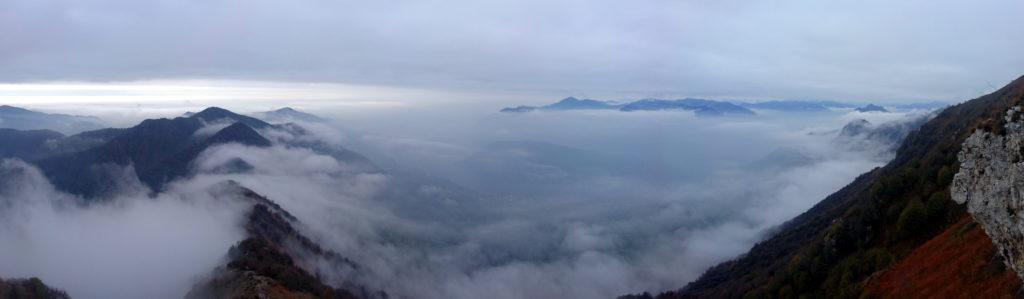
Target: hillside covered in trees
point(889, 233)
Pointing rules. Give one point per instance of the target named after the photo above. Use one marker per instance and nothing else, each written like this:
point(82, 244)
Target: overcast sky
point(886, 51)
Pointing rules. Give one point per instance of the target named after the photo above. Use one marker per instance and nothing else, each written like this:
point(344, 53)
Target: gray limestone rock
point(991, 183)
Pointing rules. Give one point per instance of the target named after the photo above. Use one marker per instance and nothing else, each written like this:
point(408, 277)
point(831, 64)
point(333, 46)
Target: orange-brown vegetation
point(961, 262)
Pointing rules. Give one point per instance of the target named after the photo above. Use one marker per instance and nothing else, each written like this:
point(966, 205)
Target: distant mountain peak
point(288, 114)
point(855, 127)
point(217, 113)
point(213, 113)
point(571, 103)
point(872, 108)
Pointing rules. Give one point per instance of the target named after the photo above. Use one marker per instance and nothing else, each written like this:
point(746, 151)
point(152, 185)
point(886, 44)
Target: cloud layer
point(929, 50)
point(566, 205)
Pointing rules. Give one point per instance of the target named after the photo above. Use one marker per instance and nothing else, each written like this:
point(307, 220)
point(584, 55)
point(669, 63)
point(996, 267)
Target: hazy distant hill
point(871, 108)
point(703, 107)
point(699, 106)
point(24, 119)
point(796, 106)
point(569, 103)
point(859, 134)
point(781, 159)
point(288, 114)
point(821, 106)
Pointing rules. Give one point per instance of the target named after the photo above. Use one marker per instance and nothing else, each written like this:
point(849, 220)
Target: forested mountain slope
point(889, 227)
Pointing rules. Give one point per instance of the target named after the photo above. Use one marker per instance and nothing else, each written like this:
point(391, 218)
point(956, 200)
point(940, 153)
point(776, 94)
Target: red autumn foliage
point(961, 262)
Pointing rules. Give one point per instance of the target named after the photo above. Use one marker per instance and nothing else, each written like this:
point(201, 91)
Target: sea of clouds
point(465, 205)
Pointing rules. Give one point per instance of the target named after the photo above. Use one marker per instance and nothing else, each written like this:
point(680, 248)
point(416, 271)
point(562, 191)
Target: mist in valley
point(462, 202)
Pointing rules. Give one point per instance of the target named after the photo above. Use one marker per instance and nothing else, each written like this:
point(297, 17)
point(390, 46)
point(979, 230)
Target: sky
point(533, 51)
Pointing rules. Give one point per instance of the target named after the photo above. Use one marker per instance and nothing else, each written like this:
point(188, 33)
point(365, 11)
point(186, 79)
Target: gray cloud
point(847, 50)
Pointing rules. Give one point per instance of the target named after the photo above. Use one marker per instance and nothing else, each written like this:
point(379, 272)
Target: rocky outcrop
point(991, 183)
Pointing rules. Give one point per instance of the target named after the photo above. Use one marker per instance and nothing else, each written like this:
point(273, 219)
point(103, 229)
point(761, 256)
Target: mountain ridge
point(266, 263)
point(880, 216)
point(701, 107)
point(705, 107)
point(287, 114)
point(24, 119)
point(157, 149)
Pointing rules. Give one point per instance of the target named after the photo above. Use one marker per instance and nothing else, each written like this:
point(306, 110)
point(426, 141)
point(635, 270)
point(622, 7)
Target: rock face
point(991, 183)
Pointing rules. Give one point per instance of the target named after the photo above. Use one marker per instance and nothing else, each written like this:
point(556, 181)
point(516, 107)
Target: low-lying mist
point(598, 204)
point(131, 246)
point(467, 204)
